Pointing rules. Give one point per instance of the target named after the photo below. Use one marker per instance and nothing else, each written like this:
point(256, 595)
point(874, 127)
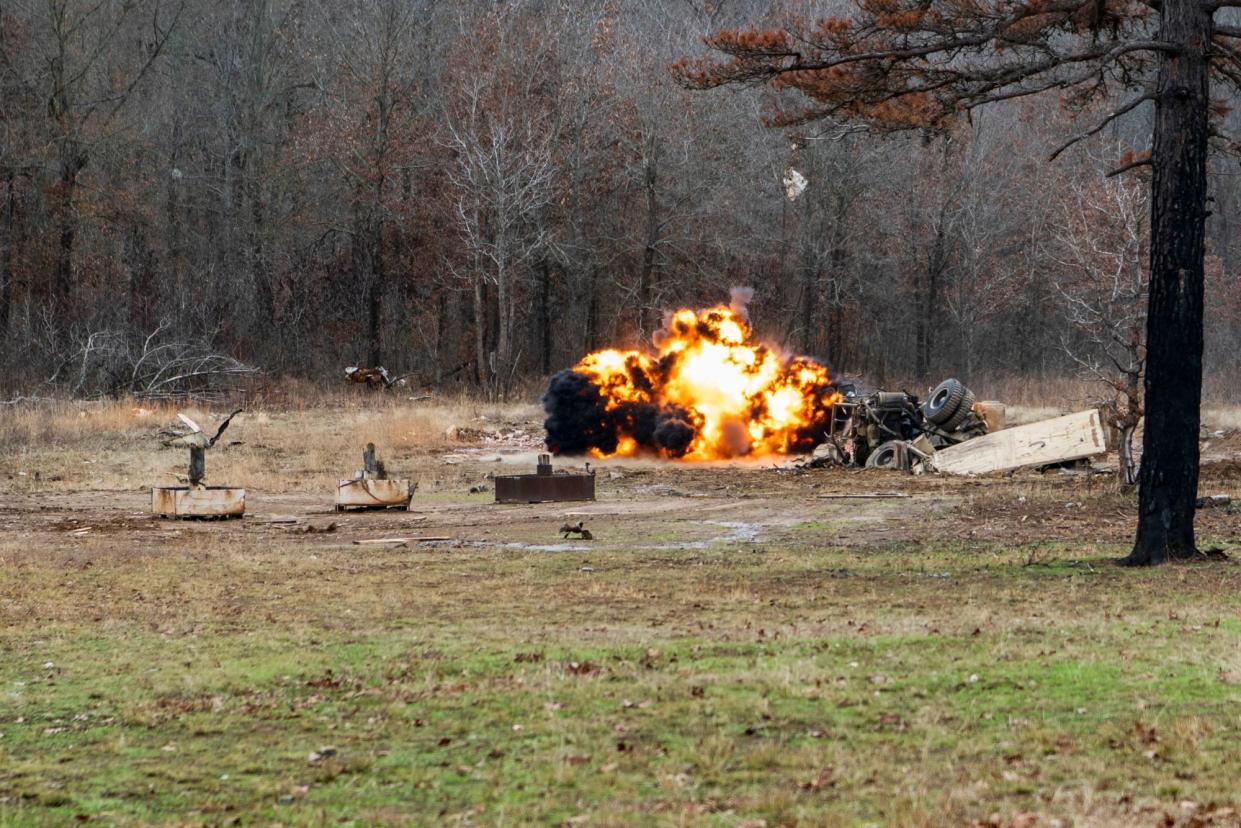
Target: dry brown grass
point(299, 438)
point(116, 444)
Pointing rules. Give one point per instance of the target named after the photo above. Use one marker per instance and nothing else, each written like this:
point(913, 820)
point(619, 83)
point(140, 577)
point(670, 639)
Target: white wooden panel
point(1070, 437)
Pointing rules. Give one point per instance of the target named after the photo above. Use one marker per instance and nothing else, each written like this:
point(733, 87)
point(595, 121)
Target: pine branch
point(1120, 112)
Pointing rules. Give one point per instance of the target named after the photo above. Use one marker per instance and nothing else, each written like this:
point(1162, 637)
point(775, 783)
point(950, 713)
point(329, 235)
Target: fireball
point(707, 392)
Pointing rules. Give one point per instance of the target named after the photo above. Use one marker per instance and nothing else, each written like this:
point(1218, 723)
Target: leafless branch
point(1119, 112)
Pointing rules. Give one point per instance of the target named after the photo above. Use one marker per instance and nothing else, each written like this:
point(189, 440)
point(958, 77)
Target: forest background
point(475, 194)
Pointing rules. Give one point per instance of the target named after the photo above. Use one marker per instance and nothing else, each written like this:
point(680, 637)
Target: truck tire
point(942, 403)
point(885, 456)
point(963, 410)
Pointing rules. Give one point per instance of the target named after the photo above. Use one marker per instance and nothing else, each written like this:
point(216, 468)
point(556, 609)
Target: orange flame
point(740, 398)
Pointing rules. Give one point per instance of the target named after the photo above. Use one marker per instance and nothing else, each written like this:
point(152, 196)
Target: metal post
point(198, 465)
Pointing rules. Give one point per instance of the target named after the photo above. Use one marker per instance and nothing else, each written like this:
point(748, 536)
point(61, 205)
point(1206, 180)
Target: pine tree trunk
point(1169, 475)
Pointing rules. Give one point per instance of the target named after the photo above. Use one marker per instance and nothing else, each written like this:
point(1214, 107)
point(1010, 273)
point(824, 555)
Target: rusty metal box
point(545, 485)
point(373, 494)
point(198, 501)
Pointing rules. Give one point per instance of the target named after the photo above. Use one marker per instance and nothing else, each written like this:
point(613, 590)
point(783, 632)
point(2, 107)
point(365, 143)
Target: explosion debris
point(707, 392)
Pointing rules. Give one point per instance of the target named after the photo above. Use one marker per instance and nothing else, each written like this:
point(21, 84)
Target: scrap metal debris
point(950, 432)
point(196, 438)
point(377, 377)
point(197, 500)
point(895, 430)
point(370, 487)
point(311, 529)
point(545, 485)
point(578, 529)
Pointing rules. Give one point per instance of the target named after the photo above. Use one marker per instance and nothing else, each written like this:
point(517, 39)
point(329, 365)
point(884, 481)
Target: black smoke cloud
point(578, 420)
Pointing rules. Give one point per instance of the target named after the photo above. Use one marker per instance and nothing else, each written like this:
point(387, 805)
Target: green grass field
point(789, 683)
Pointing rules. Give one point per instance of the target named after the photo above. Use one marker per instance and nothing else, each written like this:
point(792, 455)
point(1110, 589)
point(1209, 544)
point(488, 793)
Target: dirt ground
point(741, 643)
point(640, 504)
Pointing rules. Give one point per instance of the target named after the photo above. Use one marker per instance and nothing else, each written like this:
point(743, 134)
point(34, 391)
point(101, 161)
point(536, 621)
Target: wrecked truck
point(895, 430)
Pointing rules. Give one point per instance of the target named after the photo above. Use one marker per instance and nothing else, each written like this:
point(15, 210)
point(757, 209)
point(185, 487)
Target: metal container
point(198, 501)
point(373, 494)
point(544, 485)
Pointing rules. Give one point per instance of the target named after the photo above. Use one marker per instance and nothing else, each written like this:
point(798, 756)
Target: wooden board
point(1070, 437)
point(372, 494)
point(199, 501)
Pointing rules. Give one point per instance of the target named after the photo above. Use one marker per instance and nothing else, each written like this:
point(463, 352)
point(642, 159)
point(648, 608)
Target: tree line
point(478, 193)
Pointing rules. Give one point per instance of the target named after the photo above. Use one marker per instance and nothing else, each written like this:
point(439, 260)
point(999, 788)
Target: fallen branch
point(870, 496)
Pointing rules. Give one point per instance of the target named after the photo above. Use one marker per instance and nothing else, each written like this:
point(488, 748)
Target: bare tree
point(81, 63)
point(375, 99)
point(1101, 243)
point(284, 177)
point(500, 129)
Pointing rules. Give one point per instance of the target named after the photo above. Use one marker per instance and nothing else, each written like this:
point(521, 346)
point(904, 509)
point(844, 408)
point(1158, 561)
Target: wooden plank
point(1070, 437)
point(869, 496)
point(398, 541)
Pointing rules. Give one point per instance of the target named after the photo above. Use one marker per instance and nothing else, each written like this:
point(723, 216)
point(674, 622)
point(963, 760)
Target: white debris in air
point(794, 184)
